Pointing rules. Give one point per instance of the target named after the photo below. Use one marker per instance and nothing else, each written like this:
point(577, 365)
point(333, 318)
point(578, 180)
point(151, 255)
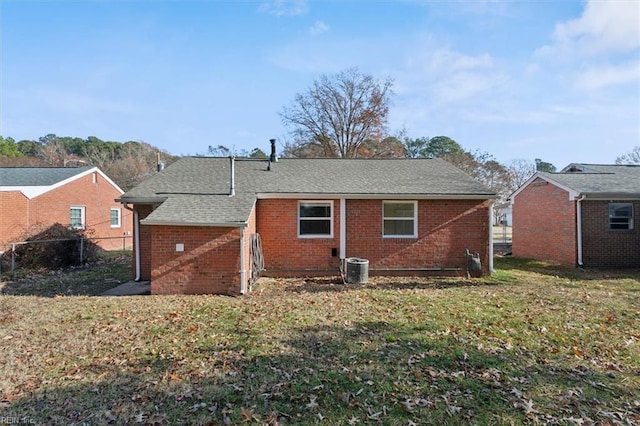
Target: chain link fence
point(65, 251)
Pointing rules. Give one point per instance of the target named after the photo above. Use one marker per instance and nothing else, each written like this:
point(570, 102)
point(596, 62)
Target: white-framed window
point(399, 219)
point(77, 217)
point(315, 219)
point(116, 217)
point(620, 216)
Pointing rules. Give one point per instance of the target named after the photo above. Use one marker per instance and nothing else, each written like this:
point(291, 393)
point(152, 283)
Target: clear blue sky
point(557, 80)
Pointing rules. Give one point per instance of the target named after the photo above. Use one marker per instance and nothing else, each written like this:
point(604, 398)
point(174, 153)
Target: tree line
point(126, 163)
point(343, 115)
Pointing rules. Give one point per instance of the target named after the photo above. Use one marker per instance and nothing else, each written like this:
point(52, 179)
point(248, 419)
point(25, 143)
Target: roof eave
point(141, 200)
point(610, 196)
point(207, 224)
point(396, 196)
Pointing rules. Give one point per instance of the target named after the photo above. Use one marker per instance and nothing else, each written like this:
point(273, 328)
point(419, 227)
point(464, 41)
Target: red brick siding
point(284, 253)
point(544, 224)
point(14, 218)
point(602, 247)
point(54, 207)
point(210, 262)
point(445, 229)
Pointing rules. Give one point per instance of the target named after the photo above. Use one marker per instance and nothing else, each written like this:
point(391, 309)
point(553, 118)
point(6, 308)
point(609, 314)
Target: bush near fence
point(53, 248)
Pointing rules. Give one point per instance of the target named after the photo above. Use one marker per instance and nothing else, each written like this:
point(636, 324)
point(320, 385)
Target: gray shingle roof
point(196, 188)
point(37, 176)
point(601, 179)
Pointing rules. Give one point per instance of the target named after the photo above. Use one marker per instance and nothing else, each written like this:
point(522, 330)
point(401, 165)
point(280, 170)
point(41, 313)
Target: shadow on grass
point(366, 372)
point(514, 263)
point(335, 284)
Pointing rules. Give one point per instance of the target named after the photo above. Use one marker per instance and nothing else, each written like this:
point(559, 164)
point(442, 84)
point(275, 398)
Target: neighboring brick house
point(33, 198)
point(196, 223)
point(585, 215)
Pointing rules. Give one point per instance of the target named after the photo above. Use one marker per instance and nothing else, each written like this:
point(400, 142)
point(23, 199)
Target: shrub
point(53, 248)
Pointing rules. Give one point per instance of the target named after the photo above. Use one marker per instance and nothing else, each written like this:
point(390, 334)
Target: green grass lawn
point(533, 344)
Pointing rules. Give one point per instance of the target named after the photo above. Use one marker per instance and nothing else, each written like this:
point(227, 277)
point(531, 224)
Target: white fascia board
point(605, 196)
point(28, 191)
point(35, 191)
point(573, 194)
point(324, 196)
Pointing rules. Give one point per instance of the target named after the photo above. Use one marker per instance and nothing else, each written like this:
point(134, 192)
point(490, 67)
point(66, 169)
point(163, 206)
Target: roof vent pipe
point(273, 158)
point(232, 176)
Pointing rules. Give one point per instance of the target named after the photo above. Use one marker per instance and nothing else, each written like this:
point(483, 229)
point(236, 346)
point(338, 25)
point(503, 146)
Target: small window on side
point(620, 216)
point(116, 218)
point(76, 217)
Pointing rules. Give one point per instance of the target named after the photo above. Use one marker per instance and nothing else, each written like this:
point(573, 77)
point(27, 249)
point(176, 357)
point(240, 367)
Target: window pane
point(620, 216)
point(398, 227)
point(315, 210)
point(620, 210)
point(315, 227)
point(398, 209)
point(115, 217)
point(75, 217)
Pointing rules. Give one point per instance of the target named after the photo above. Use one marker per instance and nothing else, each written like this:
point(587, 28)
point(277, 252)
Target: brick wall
point(603, 247)
point(13, 218)
point(54, 207)
point(544, 226)
point(210, 262)
point(445, 229)
point(284, 253)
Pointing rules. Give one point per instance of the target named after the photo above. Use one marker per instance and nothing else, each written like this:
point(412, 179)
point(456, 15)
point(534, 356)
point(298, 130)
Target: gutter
point(343, 229)
point(136, 240)
point(243, 271)
point(334, 196)
point(491, 270)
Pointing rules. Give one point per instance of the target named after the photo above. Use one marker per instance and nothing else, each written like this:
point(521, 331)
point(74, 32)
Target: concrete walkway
point(131, 288)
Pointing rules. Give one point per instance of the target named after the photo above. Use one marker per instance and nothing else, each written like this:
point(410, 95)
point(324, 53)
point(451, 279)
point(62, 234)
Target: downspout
point(343, 230)
point(243, 271)
point(136, 240)
point(579, 228)
point(491, 270)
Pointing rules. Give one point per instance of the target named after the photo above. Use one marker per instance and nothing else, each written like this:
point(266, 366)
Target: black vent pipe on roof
point(232, 176)
point(273, 158)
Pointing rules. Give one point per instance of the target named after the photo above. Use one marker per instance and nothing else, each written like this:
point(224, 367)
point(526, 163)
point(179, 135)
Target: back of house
point(212, 225)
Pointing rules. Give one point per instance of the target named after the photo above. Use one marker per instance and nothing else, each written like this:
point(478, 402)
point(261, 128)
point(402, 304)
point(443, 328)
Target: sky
point(555, 80)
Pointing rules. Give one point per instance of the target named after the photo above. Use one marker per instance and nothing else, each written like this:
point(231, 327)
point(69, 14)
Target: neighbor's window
point(315, 219)
point(620, 216)
point(76, 217)
point(115, 218)
point(399, 219)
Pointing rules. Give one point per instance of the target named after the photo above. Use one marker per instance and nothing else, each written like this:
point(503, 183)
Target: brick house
point(585, 215)
point(33, 198)
point(196, 223)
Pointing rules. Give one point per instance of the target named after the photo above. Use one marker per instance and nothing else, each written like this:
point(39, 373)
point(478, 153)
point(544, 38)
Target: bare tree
point(338, 114)
point(520, 171)
point(632, 157)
